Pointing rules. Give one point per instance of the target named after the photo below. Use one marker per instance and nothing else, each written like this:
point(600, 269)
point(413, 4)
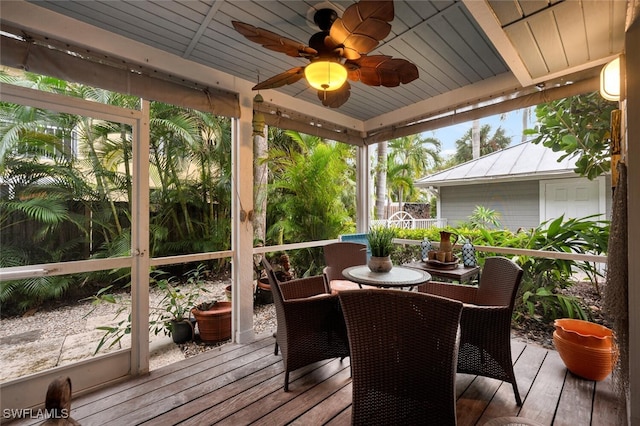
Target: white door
point(573, 198)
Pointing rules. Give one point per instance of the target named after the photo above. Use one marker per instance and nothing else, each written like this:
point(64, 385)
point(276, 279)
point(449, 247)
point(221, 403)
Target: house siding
point(517, 202)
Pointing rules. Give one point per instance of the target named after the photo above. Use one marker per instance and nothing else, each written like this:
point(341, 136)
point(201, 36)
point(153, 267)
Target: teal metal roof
point(525, 161)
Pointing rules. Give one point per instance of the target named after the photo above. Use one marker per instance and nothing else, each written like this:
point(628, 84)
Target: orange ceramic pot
point(591, 356)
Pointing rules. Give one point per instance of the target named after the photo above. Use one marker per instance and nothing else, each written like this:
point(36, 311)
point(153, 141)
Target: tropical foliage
point(483, 217)
point(580, 126)
point(312, 193)
point(67, 187)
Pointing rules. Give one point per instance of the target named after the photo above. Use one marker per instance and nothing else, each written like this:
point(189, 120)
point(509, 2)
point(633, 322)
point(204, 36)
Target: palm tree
point(488, 144)
point(399, 181)
point(381, 179)
point(417, 154)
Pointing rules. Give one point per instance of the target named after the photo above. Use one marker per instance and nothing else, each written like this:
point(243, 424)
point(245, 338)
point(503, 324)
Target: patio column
point(632, 48)
point(242, 226)
point(363, 182)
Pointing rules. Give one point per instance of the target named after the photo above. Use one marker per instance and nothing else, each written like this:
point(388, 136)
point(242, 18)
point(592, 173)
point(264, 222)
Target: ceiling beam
point(450, 101)
point(502, 106)
point(484, 16)
point(202, 28)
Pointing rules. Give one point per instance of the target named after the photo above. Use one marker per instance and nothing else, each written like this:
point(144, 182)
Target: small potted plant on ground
point(171, 315)
point(380, 239)
point(174, 312)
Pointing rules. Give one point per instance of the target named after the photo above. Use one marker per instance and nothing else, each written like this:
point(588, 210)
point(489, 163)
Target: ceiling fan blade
point(335, 98)
point(287, 77)
point(362, 26)
point(382, 70)
point(273, 41)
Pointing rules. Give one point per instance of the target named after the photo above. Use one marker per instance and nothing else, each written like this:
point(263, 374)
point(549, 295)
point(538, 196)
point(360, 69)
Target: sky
point(511, 122)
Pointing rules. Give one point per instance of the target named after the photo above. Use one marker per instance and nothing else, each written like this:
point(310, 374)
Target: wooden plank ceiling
point(456, 45)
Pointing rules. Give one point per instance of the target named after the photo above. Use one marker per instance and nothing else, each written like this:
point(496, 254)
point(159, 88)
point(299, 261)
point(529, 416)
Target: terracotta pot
point(591, 356)
point(214, 324)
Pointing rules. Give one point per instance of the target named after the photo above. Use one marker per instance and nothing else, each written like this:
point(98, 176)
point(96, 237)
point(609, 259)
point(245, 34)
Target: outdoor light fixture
point(610, 81)
point(325, 75)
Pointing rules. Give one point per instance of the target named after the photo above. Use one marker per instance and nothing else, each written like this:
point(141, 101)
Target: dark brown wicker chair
point(403, 356)
point(485, 345)
point(337, 257)
point(310, 325)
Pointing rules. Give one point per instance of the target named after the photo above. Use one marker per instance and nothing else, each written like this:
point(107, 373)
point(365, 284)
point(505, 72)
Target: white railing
point(417, 223)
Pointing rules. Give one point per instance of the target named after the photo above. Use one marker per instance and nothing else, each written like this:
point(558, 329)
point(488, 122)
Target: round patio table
point(397, 277)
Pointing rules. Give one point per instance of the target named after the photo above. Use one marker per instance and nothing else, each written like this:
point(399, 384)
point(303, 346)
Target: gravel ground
point(55, 320)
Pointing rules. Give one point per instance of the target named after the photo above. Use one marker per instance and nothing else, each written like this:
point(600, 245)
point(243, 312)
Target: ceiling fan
point(338, 52)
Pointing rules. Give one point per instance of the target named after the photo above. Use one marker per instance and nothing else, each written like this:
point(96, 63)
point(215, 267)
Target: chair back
point(357, 238)
point(276, 291)
point(341, 255)
point(403, 356)
point(499, 282)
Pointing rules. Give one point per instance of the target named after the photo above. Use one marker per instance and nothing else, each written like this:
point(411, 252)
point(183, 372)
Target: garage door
point(575, 198)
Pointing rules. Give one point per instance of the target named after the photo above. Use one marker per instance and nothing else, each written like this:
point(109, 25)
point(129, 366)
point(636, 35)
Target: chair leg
point(516, 393)
point(275, 349)
point(286, 381)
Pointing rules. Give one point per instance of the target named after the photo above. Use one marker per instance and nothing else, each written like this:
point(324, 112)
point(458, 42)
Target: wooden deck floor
point(242, 384)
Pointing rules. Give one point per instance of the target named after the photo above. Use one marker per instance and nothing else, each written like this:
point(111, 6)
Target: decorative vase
point(468, 254)
point(214, 324)
point(425, 247)
point(587, 349)
point(380, 264)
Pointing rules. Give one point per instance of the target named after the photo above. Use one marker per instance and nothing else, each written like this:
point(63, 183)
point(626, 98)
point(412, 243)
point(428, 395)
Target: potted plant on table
point(380, 239)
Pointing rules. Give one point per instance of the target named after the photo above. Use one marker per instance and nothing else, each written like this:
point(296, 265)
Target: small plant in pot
point(174, 312)
point(380, 239)
point(171, 315)
point(174, 309)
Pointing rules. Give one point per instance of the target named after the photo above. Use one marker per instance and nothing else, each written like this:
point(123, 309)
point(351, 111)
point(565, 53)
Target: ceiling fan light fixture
point(325, 75)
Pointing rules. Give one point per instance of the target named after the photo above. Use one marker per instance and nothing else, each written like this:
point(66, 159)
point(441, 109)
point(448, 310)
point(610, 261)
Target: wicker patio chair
point(337, 257)
point(485, 345)
point(310, 325)
point(403, 356)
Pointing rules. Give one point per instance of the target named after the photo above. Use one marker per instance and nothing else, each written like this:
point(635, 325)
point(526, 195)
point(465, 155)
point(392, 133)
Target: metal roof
point(525, 161)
